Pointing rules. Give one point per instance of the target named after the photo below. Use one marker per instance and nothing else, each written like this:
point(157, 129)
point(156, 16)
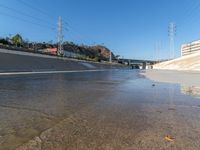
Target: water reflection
point(191, 90)
point(98, 103)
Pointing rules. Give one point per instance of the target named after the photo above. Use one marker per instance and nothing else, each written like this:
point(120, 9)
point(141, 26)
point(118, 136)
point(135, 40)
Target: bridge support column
point(144, 65)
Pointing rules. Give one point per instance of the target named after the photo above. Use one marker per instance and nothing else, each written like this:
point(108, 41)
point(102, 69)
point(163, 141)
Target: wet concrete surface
point(110, 110)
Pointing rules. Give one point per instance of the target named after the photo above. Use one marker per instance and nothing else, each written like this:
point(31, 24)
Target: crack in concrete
point(25, 144)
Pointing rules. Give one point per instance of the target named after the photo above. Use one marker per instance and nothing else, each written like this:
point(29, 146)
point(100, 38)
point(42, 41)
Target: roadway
point(109, 110)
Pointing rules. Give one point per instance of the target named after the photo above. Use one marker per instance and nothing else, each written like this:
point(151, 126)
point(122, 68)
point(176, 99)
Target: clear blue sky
point(130, 28)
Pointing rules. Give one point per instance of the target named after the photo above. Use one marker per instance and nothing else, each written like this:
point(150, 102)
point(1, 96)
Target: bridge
point(138, 64)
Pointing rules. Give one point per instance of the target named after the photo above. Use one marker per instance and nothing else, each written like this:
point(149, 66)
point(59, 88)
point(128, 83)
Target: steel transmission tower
point(60, 36)
point(172, 34)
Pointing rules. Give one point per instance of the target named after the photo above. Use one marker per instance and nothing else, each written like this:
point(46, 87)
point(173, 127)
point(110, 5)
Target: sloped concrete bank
point(185, 63)
point(15, 61)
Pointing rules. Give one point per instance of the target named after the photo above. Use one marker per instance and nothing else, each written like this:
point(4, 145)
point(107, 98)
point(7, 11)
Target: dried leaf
point(169, 138)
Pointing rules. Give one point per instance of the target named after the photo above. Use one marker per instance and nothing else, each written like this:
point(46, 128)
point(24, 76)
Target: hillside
point(93, 53)
point(190, 62)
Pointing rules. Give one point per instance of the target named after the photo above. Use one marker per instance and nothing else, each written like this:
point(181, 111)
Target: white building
point(190, 48)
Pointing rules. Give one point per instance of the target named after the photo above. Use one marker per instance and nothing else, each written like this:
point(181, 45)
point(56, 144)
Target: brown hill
point(98, 52)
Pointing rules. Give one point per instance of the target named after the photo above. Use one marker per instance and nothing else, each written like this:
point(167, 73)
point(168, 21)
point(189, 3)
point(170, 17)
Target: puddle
point(115, 105)
point(191, 91)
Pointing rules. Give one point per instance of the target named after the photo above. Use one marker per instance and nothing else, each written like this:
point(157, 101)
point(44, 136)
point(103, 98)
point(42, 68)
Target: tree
point(17, 40)
point(4, 41)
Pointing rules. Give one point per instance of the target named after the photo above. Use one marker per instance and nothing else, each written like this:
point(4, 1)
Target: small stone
point(173, 109)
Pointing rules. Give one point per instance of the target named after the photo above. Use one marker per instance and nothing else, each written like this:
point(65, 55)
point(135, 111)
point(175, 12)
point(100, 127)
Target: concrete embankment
point(15, 61)
point(190, 62)
point(186, 78)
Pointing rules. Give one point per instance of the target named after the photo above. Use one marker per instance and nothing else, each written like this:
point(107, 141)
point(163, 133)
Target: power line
point(22, 13)
point(34, 8)
point(190, 8)
point(46, 14)
point(190, 14)
point(24, 20)
point(76, 33)
point(80, 36)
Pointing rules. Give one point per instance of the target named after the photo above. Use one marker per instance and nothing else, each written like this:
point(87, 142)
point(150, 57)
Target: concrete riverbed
point(102, 110)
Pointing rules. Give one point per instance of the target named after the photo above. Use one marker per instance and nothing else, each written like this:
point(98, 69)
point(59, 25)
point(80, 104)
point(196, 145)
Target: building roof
point(194, 42)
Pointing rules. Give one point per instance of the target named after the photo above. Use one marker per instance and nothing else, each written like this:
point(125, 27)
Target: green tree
point(17, 40)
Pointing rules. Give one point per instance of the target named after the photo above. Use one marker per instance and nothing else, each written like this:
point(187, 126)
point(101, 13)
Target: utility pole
point(172, 34)
point(110, 59)
point(34, 46)
point(157, 51)
point(60, 36)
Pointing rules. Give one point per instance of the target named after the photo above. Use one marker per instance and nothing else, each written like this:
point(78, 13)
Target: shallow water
point(118, 109)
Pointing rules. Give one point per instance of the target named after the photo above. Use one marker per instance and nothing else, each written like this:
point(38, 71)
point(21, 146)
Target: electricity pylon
point(60, 36)
point(172, 34)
